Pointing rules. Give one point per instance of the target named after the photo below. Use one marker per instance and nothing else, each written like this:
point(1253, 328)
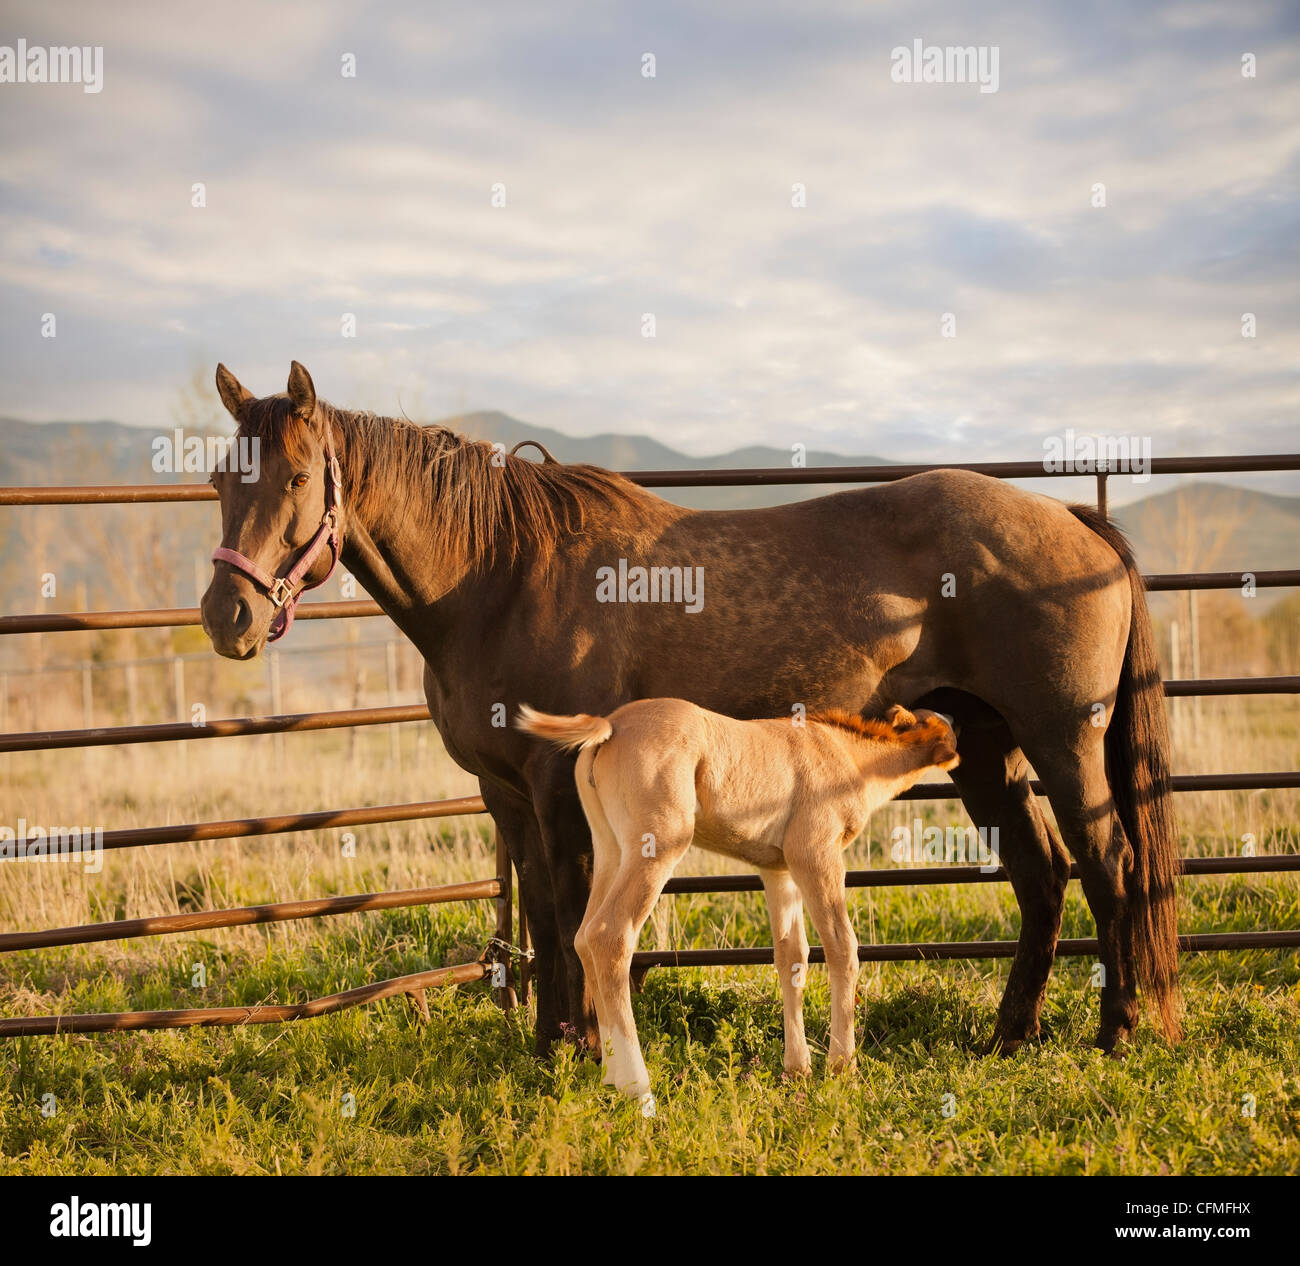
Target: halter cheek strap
point(284, 591)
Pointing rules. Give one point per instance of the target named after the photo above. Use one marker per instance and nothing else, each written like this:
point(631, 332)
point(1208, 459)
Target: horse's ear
point(302, 392)
point(231, 392)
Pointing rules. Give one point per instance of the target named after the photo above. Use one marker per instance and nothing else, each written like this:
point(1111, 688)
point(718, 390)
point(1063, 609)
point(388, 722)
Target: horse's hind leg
point(790, 952)
point(1080, 793)
point(993, 780)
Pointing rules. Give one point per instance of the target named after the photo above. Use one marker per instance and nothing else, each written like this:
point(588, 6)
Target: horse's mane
point(478, 504)
point(870, 727)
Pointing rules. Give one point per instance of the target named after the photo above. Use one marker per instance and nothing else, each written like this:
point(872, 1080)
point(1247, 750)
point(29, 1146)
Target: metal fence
point(510, 942)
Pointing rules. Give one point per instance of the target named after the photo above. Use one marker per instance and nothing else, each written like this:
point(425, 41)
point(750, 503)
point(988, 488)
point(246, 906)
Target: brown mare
point(1020, 617)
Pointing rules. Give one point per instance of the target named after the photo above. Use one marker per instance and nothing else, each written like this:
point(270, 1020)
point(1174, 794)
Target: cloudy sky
point(670, 195)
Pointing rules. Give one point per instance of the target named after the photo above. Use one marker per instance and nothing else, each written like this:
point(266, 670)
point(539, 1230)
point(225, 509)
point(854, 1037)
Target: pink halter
point(284, 591)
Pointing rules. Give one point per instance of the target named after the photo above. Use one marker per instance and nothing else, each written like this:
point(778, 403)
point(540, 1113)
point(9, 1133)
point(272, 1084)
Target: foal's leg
point(817, 865)
point(612, 937)
point(790, 950)
point(606, 859)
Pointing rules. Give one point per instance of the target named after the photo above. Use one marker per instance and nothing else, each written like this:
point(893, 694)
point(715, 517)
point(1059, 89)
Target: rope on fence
point(263, 1013)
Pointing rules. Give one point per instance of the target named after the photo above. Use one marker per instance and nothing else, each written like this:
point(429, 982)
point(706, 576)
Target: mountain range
point(154, 555)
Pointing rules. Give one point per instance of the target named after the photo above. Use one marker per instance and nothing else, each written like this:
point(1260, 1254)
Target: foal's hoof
point(800, 1072)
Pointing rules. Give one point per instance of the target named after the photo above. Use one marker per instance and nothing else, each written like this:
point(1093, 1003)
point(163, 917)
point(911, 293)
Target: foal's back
point(740, 782)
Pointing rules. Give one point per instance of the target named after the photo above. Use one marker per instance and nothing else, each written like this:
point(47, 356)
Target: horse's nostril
point(243, 616)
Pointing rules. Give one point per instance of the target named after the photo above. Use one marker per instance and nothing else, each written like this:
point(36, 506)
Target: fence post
point(87, 697)
point(354, 733)
point(394, 738)
point(132, 694)
point(277, 704)
point(525, 963)
point(504, 995)
point(1175, 667)
point(178, 690)
point(1194, 637)
point(1101, 493)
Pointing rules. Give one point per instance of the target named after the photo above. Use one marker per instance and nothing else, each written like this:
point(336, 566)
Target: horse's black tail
point(1137, 767)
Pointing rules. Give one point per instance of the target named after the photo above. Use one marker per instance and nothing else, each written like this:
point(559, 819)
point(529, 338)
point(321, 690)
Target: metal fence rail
point(496, 962)
point(293, 723)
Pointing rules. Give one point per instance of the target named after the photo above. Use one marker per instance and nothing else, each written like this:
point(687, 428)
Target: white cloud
point(671, 196)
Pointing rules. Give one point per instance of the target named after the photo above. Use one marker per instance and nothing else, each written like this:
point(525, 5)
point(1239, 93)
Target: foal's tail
point(575, 733)
point(1137, 767)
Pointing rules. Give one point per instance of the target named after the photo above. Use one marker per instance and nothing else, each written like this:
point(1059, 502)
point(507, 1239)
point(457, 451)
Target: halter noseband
point(284, 591)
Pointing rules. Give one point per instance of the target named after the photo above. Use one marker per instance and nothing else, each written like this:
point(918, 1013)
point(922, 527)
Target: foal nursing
point(658, 775)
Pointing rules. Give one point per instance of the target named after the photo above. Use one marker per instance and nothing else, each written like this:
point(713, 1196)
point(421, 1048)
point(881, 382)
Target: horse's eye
point(300, 481)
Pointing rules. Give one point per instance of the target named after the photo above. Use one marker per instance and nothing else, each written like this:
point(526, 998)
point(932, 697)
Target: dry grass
point(463, 1093)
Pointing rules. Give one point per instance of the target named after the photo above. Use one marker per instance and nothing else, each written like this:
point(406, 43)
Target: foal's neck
point(882, 764)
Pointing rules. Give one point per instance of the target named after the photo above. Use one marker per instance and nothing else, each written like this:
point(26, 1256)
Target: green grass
point(463, 1093)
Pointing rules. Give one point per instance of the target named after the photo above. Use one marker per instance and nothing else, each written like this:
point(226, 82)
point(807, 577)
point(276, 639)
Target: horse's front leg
point(790, 950)
point(566, 840)
point(515, 819)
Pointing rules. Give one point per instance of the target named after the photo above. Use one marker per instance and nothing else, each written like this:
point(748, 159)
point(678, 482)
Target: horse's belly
point(756, 849)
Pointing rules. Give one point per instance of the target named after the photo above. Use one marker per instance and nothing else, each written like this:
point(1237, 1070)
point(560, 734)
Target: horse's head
point(933, 734)
point(280, 529)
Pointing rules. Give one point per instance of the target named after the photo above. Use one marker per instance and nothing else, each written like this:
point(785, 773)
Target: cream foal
point(660, 774)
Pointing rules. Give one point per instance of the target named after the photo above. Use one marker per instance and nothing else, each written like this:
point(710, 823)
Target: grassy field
point(376, 1090)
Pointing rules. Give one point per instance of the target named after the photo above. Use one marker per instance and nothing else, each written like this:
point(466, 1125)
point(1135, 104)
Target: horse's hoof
point(1004, 1047)
point(1112, 1048)
point(798, 1073)
point(1114, 1041)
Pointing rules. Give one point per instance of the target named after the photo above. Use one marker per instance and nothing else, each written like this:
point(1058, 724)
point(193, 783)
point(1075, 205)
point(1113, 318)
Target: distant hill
point(157, 555)
point(640, 452)
point(1214, 527)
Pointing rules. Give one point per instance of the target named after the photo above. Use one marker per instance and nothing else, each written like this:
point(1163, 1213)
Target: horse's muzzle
point(231, 618)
